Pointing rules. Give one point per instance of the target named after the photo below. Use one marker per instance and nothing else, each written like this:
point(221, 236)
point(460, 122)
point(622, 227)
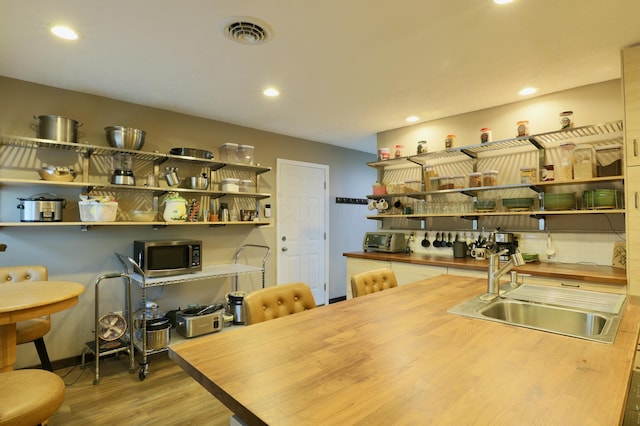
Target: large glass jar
point(564, 171)
point(584, 164)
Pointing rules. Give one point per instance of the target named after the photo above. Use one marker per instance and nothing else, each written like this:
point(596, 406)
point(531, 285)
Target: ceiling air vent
point(247, 30)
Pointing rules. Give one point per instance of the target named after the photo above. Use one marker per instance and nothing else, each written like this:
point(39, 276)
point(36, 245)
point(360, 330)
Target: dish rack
point(134, 274)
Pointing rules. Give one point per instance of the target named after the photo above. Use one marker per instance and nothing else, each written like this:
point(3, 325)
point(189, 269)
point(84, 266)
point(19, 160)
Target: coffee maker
point(505, 240)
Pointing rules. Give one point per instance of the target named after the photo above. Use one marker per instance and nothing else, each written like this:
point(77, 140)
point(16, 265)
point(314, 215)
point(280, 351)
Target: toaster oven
point(388, 242)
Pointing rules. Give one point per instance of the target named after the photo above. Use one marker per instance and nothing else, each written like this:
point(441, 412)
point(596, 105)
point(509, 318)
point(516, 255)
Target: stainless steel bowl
point(125, 137)
point(198, 182)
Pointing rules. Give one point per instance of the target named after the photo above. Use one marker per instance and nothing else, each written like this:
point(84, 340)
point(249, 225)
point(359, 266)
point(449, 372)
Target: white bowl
point(143, 215)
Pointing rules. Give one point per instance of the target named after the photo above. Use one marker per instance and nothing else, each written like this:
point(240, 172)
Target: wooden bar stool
point(29, 397)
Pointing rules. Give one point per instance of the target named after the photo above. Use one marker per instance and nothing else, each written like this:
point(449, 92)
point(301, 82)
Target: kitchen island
point(398, 357)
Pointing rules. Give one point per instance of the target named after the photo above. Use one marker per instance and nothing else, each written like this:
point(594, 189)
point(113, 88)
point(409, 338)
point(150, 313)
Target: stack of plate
point(602, 199)
point(559, 200)
point(516, 204)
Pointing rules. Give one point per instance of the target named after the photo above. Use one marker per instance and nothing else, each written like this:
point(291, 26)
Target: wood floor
point(167, 396)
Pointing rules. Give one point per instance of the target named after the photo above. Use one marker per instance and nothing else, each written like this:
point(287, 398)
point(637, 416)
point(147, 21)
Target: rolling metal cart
point(136, 276)
point(122, 342)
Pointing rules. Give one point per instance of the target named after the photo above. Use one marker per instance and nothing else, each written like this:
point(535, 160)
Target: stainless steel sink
point(568, 321)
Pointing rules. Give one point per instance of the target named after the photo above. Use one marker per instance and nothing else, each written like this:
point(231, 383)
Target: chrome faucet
point(495, 272)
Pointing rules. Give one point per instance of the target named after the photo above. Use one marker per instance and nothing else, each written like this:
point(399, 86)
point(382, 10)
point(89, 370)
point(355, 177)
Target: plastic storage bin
point(245, 154)
point(246, 185)
point(230, 184)
point(229, 153)
point(489, 178)
point(97, 212)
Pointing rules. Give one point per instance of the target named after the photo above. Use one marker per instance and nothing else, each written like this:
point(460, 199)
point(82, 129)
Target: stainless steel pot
point(41, 208)
point(157, 333)
point(198, 182)
point(57, 128)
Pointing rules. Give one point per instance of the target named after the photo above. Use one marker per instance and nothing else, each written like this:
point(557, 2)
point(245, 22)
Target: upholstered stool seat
point(373, 281)
point(29, 397)
point(278, 301)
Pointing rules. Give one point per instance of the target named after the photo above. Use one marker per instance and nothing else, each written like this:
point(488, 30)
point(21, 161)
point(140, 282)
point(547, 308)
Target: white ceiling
point(346, 69)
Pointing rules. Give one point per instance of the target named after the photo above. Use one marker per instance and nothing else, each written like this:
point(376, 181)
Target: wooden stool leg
point(42, 353)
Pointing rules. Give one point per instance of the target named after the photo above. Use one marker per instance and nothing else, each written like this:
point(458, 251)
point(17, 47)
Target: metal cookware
point(57, 128)
point(44, 207)
point(199, 320)
point(192, 152)
point(235, 301)
point(198, 182)
point(157, 333)
point(125, 137)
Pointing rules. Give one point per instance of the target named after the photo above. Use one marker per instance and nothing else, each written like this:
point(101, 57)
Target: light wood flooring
point(167, 396)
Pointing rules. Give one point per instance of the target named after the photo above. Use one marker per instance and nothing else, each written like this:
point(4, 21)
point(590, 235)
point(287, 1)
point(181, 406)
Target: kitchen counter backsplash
point(596, 248)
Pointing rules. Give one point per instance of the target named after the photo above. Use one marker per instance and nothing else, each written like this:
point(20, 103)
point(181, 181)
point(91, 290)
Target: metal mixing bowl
point(125, 137)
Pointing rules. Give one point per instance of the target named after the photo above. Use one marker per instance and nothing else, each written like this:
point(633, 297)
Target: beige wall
point(80, 256)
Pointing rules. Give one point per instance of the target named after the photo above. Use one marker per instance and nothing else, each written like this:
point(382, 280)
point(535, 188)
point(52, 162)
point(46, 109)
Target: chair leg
point(42, 353)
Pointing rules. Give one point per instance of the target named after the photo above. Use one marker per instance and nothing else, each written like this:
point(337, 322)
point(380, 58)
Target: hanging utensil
point(425, 242)
point(550, 252)
point(449, 242)
point(436, 242)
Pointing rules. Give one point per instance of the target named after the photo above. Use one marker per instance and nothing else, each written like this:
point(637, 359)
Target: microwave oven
point(388, 242)
point(161, 258)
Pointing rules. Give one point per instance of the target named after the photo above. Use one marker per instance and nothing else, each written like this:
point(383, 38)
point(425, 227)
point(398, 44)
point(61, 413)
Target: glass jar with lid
point(528, 175)
point(564, 171)
point(584, 164)
point(475, 179)
point(490, 178)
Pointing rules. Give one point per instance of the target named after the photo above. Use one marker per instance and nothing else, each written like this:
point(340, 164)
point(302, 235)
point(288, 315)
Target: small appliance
point(197, 321)
point(384, 241)
point(505, 240)
point(161, 258)
point(122, 166)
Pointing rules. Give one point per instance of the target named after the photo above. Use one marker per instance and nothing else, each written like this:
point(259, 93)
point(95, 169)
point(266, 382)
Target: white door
point(302, 223)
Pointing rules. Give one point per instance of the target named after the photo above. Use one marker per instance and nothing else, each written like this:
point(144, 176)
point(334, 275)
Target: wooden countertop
point(398, 357)
point(573, 271)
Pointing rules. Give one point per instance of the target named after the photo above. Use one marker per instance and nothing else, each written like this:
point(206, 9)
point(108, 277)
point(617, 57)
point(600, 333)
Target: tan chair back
point(278, 301)
point(372, 281)
point(29, 330)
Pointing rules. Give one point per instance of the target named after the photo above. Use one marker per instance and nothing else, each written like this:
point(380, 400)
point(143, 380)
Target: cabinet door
point(631, 84)
point(408, 273)
point(355, 266)
point(632, 218)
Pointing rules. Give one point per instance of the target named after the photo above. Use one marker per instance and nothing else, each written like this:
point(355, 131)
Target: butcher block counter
point(398, 357)
point(581, 272)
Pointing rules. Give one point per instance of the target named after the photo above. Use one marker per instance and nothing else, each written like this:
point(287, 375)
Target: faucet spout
point(496, 271)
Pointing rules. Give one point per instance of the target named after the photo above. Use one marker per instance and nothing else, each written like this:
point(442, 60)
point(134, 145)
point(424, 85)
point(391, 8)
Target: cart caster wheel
point(144, 369)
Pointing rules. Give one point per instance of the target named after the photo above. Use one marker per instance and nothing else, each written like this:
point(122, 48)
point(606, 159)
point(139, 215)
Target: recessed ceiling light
point(271, 92)
point(528, 91)
point(502, 1)
point(64, 32)
point(411, 119)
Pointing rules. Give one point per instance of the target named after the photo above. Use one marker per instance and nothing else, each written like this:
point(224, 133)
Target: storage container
point(485, 135)
point(230, 185)
point(379, 189)
point(229, 153)
point(449, 141)
point(427, 173)
point(446, 182)
point(609, 160)
point(523, 128)
point(475, 179)
point(564, 171)
point(528, 175)
point(246, 185)
point(399, 151)
point(547, 174)
point(566, 119)
point(489, 178)
point(245, 154)
point(584, 164)
point(413, 186)
point(384, 153)
point(91, 211)
point(458, 181)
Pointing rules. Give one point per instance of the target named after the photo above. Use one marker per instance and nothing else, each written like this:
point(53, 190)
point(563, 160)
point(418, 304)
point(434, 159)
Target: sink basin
point(568, 321)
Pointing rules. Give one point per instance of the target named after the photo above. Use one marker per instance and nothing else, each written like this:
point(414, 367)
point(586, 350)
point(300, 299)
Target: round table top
point(36, 298)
